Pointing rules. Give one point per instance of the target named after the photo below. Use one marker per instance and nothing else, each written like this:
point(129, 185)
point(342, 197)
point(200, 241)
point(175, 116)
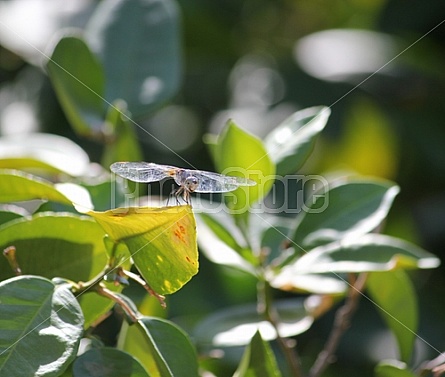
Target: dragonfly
point(188, 180)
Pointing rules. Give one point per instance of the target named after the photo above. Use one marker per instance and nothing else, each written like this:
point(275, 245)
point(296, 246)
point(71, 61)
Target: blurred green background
point(378, 64)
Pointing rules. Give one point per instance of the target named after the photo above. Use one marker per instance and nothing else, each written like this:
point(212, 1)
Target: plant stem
point(341, 324)
point(287, 346)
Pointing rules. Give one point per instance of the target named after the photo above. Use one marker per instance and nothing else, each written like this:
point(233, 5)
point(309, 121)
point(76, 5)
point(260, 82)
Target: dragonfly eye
point(191, 183)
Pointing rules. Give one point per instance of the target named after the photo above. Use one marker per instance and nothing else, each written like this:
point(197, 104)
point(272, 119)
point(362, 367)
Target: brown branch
point(144, 284)
point(341, 324)
point(112, 296)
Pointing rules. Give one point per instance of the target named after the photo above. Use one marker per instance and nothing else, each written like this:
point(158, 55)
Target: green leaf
point(271, 232)
point(163, 348)
point(145, 33)
point(290, 144)
point(123, 145)
point(392, 368)
point(322, 284)
point(17, 186)
point(107, 362)
point(46, 152)
point(59, 245)
point(347, 209)
point(41, 326)
point(10, 212)
point(162, 242)
point(79, 82)
point(258, 360)
point(237, 325)
point(395, 297)
point(220, 243)
point(370, 252)
point(241, 154)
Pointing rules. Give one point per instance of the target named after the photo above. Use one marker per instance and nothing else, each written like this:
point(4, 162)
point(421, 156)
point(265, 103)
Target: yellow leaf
point(161, 241)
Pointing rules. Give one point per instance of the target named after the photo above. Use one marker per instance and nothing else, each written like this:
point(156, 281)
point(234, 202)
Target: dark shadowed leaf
point(139, 46)
point(107, 362)
point(78, 79)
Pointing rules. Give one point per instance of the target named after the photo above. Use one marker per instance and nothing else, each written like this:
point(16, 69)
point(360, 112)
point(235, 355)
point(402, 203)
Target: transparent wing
point(214, 182)
point(142, 171)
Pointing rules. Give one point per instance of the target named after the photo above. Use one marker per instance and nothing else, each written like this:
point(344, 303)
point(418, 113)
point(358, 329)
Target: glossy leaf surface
point(58, 245)
point(40, 322)
point(237, 325)
point(107, 362)
point(346, 209)
point(163, 348)
point(371, 252)
point(291, 143)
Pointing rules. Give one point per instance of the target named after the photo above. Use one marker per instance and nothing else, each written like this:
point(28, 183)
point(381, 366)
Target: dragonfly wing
point(140, 171)
point(214, 182)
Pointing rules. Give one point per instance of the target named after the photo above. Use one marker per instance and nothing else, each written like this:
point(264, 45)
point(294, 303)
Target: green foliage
point(79, 81)
point(392, 368)
point(395, 296)
point(258, 360)
point(40, 320)
point(291, 143)
point(109, 362)
point(161, 241)
point(56, 223)
point(237, 151)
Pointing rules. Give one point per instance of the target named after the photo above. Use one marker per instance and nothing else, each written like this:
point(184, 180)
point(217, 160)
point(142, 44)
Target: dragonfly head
point(191, 183)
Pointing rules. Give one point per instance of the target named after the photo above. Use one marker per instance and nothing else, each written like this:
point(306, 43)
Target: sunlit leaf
point(370, 252)
point(107, 362)
point(258, 360)
point(58, 245)
point(393, 368)
point(10, 212)
point(162, 242)
point(41, 322)
point(145, 33)
point(396, 301)
point(237, 325)
point(162, 347)
point(78, 79)
point(346, 209)
point(290, 144)
point(17, 186)
point(219, 246)
point(241, 154)
point(287, 280)
point(46, 152)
